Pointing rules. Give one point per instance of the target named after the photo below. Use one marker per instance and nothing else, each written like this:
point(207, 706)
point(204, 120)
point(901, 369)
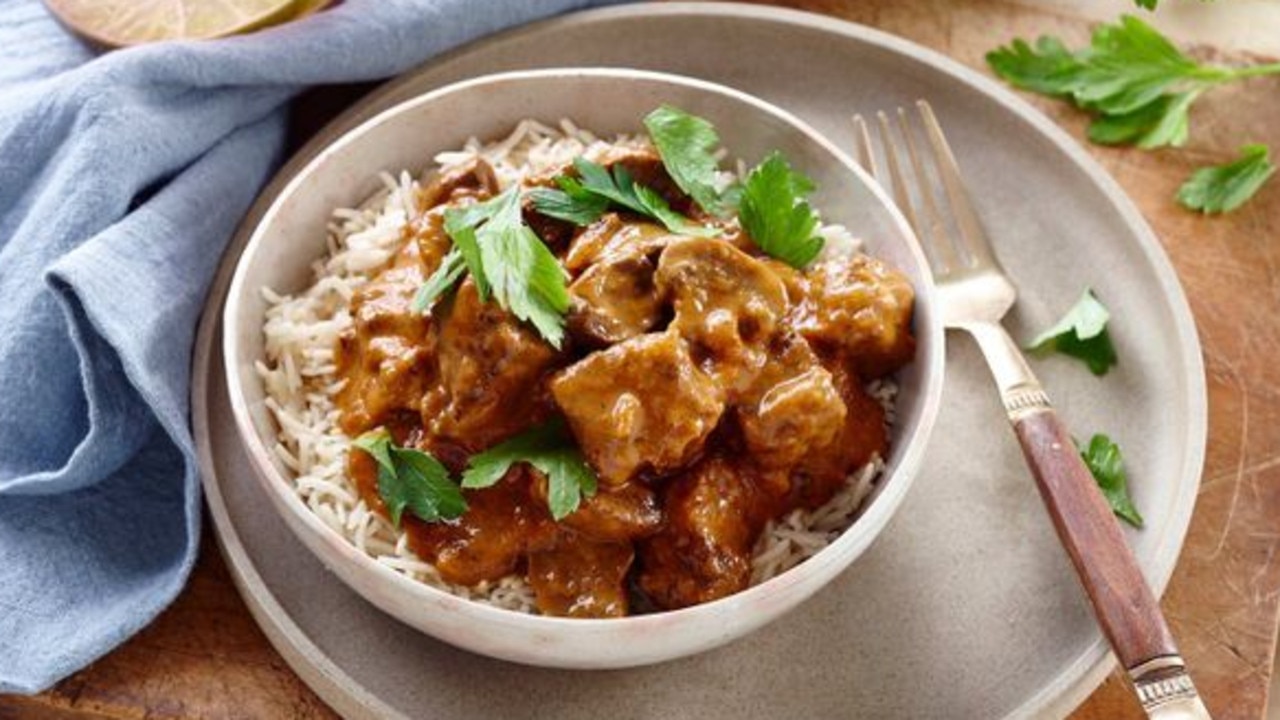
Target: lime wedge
point(116, 23)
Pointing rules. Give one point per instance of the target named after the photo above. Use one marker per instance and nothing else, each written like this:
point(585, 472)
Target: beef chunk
point(704, 551)
point(862, 436)
point(501, 524)
point(860, 308)
point(490, 371)
point(640, 404)
point(580, 578)
point(793, 409)
point(427, 231)
point(616, 514)
point(474, 178)
point(387, 354)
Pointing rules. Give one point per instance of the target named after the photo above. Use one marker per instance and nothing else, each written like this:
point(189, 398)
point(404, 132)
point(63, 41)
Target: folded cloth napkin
point(121, 180)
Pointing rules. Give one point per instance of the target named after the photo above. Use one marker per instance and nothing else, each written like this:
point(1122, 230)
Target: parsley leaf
point(409, 478)
point(1138, 85)
point(1146, 4)
point(686, 144)
point(1105, 462)
point(1049, 68)
point(551, 450)
point(444, 278)
point(1162, 122)
point(1224, 188)
point(572, 203)
point(1130, 64)
point(1081, 333)
point(507, 260)
point(776, 216)
point(582, 200)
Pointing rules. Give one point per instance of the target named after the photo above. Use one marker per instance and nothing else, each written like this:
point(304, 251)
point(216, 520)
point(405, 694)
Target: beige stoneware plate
point(965, 607)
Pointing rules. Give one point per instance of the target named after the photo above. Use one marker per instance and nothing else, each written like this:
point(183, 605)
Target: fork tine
point(941, 239)
point(896, 178)
point(972, 237)
point(866, 152)
point(897, 184)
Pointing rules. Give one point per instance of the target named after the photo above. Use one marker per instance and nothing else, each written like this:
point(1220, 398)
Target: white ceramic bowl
point(291, 235)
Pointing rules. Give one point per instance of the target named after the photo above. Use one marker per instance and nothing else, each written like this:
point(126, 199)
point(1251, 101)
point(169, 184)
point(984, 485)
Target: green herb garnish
point(1138, 85)
point(507, 260)
point(441, 281)
point(1224, 188)
point(1081, 333)
point(409, 478)
point(584, 199)
point(550, 449)
point(1107, 466)
point(571, 203)
point(775, 214)
point(687, 145)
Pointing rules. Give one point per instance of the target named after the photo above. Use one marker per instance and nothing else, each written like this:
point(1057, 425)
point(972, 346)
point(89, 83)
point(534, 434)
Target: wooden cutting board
point(205, 658)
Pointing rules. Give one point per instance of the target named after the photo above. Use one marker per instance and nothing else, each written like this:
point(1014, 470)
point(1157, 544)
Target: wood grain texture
point(1122, 601)
point(204, 658)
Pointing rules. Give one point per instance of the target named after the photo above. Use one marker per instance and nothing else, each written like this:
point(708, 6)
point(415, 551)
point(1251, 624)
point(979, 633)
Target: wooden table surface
point(205, 658)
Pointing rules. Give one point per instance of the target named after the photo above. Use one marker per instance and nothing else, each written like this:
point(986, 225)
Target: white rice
point(301, 381)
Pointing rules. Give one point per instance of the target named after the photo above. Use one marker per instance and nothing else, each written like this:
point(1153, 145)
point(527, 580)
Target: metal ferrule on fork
point(1020, 391)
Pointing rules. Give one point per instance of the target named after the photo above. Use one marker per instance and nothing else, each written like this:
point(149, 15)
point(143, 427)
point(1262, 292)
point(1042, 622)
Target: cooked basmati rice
point(300, 375)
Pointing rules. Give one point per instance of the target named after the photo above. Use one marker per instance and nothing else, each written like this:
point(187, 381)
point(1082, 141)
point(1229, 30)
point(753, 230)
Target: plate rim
point(1076, 681)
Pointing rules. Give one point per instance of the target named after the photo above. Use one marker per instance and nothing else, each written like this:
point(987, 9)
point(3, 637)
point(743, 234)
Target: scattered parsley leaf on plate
point(1224, 188)
point(1146, 4)
point(507, 260)
point(410, 478)
point(1138, 85)
point(1081, 333)
point(773, 211)
point(586, 197)
point(1105, 462)
point(687, 144)
point(550, 449)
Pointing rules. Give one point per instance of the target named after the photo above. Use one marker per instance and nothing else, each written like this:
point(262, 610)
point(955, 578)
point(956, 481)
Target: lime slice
point(303, 8)
point(116, 23)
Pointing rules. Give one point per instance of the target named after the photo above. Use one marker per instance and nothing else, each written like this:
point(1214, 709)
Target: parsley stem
point(1257, 70)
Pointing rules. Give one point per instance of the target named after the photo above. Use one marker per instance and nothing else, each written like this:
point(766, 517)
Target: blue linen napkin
point(121, 180)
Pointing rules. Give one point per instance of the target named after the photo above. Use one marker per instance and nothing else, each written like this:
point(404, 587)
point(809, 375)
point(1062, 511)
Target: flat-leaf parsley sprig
point(1081, 333)
point(771, 201)
point(687, 144)
point(550, 449)
point(775, 214)
point(1223, 188)
point(1106, 464)
point(1136, 82)
point(582, 200)
point(411, 479)
point(1140, 89)
point(507, 261)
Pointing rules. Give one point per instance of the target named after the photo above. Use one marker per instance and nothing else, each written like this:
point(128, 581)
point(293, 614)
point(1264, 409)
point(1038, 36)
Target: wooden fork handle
point(1125, 607)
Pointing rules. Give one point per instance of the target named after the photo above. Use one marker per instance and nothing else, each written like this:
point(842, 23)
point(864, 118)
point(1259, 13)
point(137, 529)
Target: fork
point(975, 294)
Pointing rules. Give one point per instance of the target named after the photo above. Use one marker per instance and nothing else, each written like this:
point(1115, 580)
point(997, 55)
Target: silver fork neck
point(1020, 391)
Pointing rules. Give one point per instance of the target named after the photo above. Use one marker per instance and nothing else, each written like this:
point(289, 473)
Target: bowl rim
point(874, 518)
